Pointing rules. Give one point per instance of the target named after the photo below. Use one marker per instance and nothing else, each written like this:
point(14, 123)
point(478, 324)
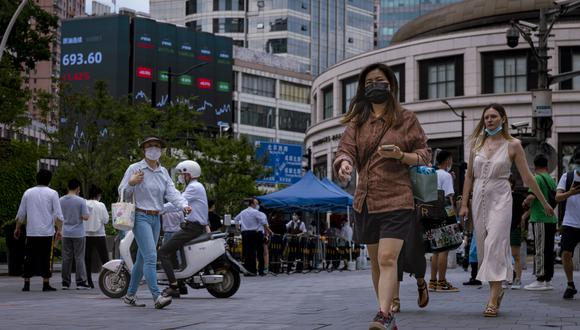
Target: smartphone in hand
point(388, 147)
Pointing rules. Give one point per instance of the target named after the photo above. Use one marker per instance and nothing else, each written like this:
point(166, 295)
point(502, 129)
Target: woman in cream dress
point(493, 151)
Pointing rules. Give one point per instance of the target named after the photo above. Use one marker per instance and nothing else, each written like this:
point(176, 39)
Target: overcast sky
point(138, 5)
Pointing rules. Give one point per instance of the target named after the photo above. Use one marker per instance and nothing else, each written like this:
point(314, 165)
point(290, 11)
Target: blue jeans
point(146, 231)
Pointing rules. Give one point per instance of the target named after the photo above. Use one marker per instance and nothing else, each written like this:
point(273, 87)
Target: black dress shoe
point(473, 281)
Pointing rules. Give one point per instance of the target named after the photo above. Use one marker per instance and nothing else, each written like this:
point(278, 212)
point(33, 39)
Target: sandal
point(423, 298)
point(396, 305)
point(490, 311)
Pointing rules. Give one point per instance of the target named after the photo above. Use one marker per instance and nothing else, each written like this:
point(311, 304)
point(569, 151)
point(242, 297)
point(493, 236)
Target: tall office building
point(392, 14)
point(99, 9)
point(317, 33)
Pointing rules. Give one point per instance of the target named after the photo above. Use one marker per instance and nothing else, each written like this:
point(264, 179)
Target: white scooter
point(205, 264)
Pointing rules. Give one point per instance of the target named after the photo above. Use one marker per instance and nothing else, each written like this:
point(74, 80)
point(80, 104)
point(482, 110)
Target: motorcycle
point(205, 264)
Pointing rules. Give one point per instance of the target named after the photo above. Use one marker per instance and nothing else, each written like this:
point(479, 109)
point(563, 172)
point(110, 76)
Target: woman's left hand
point(548, 209)
point(396, 153)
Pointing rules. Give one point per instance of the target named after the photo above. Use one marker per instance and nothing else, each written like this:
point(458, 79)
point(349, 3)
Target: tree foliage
point(18, 167)
point(99, 137)
point(29, 42)
point(229, 171)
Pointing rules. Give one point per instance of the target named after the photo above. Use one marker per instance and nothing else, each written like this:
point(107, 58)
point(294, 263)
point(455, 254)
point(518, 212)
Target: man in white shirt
point(40, 208)
point(196, 222)
point(250, 220)
point(439, 259)
point(295, 226)
point(568, 191)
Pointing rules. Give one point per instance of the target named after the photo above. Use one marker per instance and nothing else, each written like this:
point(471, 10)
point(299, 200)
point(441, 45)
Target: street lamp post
point(542, 96)
point(10, 26)
point(462, 150)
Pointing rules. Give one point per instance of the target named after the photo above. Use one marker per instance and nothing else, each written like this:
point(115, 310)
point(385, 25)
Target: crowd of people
point(382, 140)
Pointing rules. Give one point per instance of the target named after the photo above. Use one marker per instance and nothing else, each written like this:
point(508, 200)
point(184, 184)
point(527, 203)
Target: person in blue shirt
point(149, 185)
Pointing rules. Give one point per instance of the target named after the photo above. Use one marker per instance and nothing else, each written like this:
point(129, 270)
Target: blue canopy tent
point(309, 194)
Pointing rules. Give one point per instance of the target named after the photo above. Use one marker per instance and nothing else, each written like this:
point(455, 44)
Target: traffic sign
point(284, 160)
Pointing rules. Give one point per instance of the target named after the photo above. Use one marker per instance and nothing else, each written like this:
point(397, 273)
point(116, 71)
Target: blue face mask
point(494, 131)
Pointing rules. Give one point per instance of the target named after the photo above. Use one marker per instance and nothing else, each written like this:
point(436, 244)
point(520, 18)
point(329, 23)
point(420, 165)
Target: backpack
point(551, 198)
point(569, 181)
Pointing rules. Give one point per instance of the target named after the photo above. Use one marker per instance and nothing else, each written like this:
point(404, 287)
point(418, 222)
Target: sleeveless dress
point(492, 213)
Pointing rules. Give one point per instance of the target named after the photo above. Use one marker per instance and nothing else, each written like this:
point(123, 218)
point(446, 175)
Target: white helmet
point(189, 166)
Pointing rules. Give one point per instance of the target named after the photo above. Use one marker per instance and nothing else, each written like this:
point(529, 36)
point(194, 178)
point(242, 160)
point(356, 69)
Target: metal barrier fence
point(303, 253)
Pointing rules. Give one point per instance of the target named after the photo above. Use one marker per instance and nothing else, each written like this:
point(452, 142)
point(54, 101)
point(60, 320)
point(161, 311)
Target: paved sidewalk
point(338, 300)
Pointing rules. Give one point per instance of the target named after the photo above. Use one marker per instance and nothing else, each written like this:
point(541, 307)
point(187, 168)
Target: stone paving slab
point(337, 300)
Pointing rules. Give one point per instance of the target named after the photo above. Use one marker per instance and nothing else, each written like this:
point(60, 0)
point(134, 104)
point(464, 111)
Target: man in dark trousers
point(250, 220)
point(41, 210)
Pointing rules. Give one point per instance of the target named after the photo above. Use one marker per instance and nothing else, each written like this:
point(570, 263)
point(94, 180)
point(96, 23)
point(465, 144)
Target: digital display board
point(94, 49)
point(142, 55)
point(284, 160)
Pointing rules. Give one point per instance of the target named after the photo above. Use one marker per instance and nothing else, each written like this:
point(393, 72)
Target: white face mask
point(295, 218)
point(449, 168)
point(181, 179)
point(153, 153)
point(257, 207)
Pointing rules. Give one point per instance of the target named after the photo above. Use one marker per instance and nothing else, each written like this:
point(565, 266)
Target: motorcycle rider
point(196, 222)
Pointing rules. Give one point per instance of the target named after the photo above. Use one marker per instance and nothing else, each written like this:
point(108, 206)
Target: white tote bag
point(123, 214)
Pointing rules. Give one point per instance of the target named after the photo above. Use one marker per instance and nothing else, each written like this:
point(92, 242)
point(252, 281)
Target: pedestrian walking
point(412, 261)
point(493, 150)
point(543, 228)
point(518, 211)
point(215, 223)
point(249, 221)
point(381, 140)
point(75, 212)
point(438, 281)
point(96, 239)
point(148, 184)
point(40, 209)
point(196, 222)
point(568, 194)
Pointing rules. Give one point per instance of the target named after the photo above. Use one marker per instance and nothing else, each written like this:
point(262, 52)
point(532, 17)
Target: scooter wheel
point(229, 286)
point(113, 285)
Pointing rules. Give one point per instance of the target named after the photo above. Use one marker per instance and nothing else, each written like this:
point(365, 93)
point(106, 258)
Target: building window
point(228, 5)
point(252, 139)
point(190, 7)
point(258, 85)
point(238, 43)
point(294, 92)
point(194, 26)
point(349, 86)
point(508, 72)
point(570, 61)
point(279, 24)
point(399, 71)
point(277, 46)
point(257, 115)
point(294, 121)
point(328, 103)
point(441, 77)
point(228, 25)
point(320, 167)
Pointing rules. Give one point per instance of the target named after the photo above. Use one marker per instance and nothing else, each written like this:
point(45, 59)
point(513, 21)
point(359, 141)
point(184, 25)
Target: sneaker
point(132, 301)
point(162, 301)
point(516, 285)
point(432, 285)
point(505, 284)
point(83, 286)
point(383, 321)
point(570, 292)
point(65, 285)
point(548, 285)
point(171, 292)
point(473, 281)
point(536, 286)
point(444, 286)
point(183, 289)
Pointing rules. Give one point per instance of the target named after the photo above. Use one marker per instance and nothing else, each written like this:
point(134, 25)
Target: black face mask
point(378, 92)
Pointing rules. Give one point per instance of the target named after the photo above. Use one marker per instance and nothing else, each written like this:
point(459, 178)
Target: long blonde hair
point(478, 136)
point(360, 108)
